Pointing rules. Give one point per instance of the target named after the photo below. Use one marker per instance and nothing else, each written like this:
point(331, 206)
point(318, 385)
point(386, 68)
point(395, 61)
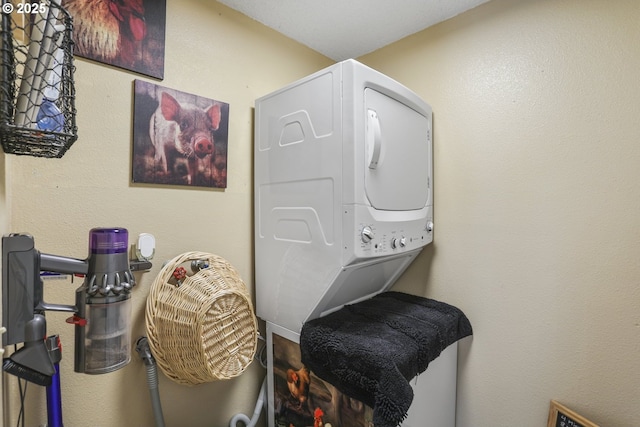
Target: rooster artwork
point(301, 399)
point(125, 33)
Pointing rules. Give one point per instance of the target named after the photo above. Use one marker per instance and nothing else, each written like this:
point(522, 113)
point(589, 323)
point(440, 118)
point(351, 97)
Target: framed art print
point(129, 34)
point(179, 138)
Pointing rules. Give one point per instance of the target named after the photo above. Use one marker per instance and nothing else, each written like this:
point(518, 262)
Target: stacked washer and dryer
point(343, 204)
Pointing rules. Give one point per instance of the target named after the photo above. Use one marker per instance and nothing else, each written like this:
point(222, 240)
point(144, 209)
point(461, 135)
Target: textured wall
point(537, 233)
point(211, 51)
point(536, 170)
point(4, 228)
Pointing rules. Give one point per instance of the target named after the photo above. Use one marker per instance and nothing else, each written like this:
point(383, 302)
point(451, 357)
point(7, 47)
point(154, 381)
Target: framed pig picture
point(178, 138)
point(129, 34)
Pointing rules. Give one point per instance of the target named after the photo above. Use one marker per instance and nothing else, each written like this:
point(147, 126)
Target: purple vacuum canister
point(103, 332)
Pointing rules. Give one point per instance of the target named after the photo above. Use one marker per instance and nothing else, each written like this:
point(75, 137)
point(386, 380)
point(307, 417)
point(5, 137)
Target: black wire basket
point(37, 93)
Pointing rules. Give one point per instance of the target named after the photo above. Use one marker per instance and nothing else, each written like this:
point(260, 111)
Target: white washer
point(434, 402)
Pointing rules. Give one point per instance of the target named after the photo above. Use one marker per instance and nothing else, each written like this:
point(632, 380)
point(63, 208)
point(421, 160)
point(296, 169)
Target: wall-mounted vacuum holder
point(102, 310)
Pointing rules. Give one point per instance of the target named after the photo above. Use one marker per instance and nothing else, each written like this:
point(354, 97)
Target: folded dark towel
point(372, 349)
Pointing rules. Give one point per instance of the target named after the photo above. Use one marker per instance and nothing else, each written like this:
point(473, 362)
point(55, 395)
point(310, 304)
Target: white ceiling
point(342, 29)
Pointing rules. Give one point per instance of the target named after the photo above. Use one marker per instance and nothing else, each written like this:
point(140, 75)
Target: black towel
point(372, 349)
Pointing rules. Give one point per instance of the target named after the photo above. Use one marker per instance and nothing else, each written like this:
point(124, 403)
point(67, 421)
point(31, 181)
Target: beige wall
point(536, 178)
point(214, 52)
point(4, 228)
point(537, 171)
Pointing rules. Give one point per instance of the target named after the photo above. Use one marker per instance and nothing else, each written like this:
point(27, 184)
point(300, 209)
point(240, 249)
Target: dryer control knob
point(366, 234)
point(430, 226)
point(395, 243)
point(403, 242)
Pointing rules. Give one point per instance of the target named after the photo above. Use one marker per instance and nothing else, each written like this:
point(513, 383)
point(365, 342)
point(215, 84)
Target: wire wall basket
point(37, 93)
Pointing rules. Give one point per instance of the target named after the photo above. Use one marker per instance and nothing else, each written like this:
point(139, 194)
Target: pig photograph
point(178, 138)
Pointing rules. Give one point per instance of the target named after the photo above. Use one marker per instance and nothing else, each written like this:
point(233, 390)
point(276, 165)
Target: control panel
point(377, 239)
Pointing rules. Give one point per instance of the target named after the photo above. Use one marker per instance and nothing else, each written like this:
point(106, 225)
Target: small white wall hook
point(2, 331)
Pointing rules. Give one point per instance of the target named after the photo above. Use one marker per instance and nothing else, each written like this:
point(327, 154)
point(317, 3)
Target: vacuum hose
point(142, 347)
point(260, 403)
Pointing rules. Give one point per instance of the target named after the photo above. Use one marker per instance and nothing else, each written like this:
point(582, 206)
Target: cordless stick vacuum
point(101, 313)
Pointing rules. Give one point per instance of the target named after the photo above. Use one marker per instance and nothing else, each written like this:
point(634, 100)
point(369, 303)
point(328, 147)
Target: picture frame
point(304, 398)
point(179, 138)
point(128, 34)
point(561, 416)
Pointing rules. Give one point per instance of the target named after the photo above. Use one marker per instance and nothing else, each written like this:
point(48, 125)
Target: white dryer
point(343, 190)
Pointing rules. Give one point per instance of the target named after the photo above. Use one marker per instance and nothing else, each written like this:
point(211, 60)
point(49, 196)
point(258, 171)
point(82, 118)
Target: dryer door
point(397, 154)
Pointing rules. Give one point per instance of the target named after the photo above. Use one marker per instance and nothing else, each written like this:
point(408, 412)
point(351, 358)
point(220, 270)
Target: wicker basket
point(201, 328)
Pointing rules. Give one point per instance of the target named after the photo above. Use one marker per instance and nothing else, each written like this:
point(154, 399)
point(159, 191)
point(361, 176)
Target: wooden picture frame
point(561, 416)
